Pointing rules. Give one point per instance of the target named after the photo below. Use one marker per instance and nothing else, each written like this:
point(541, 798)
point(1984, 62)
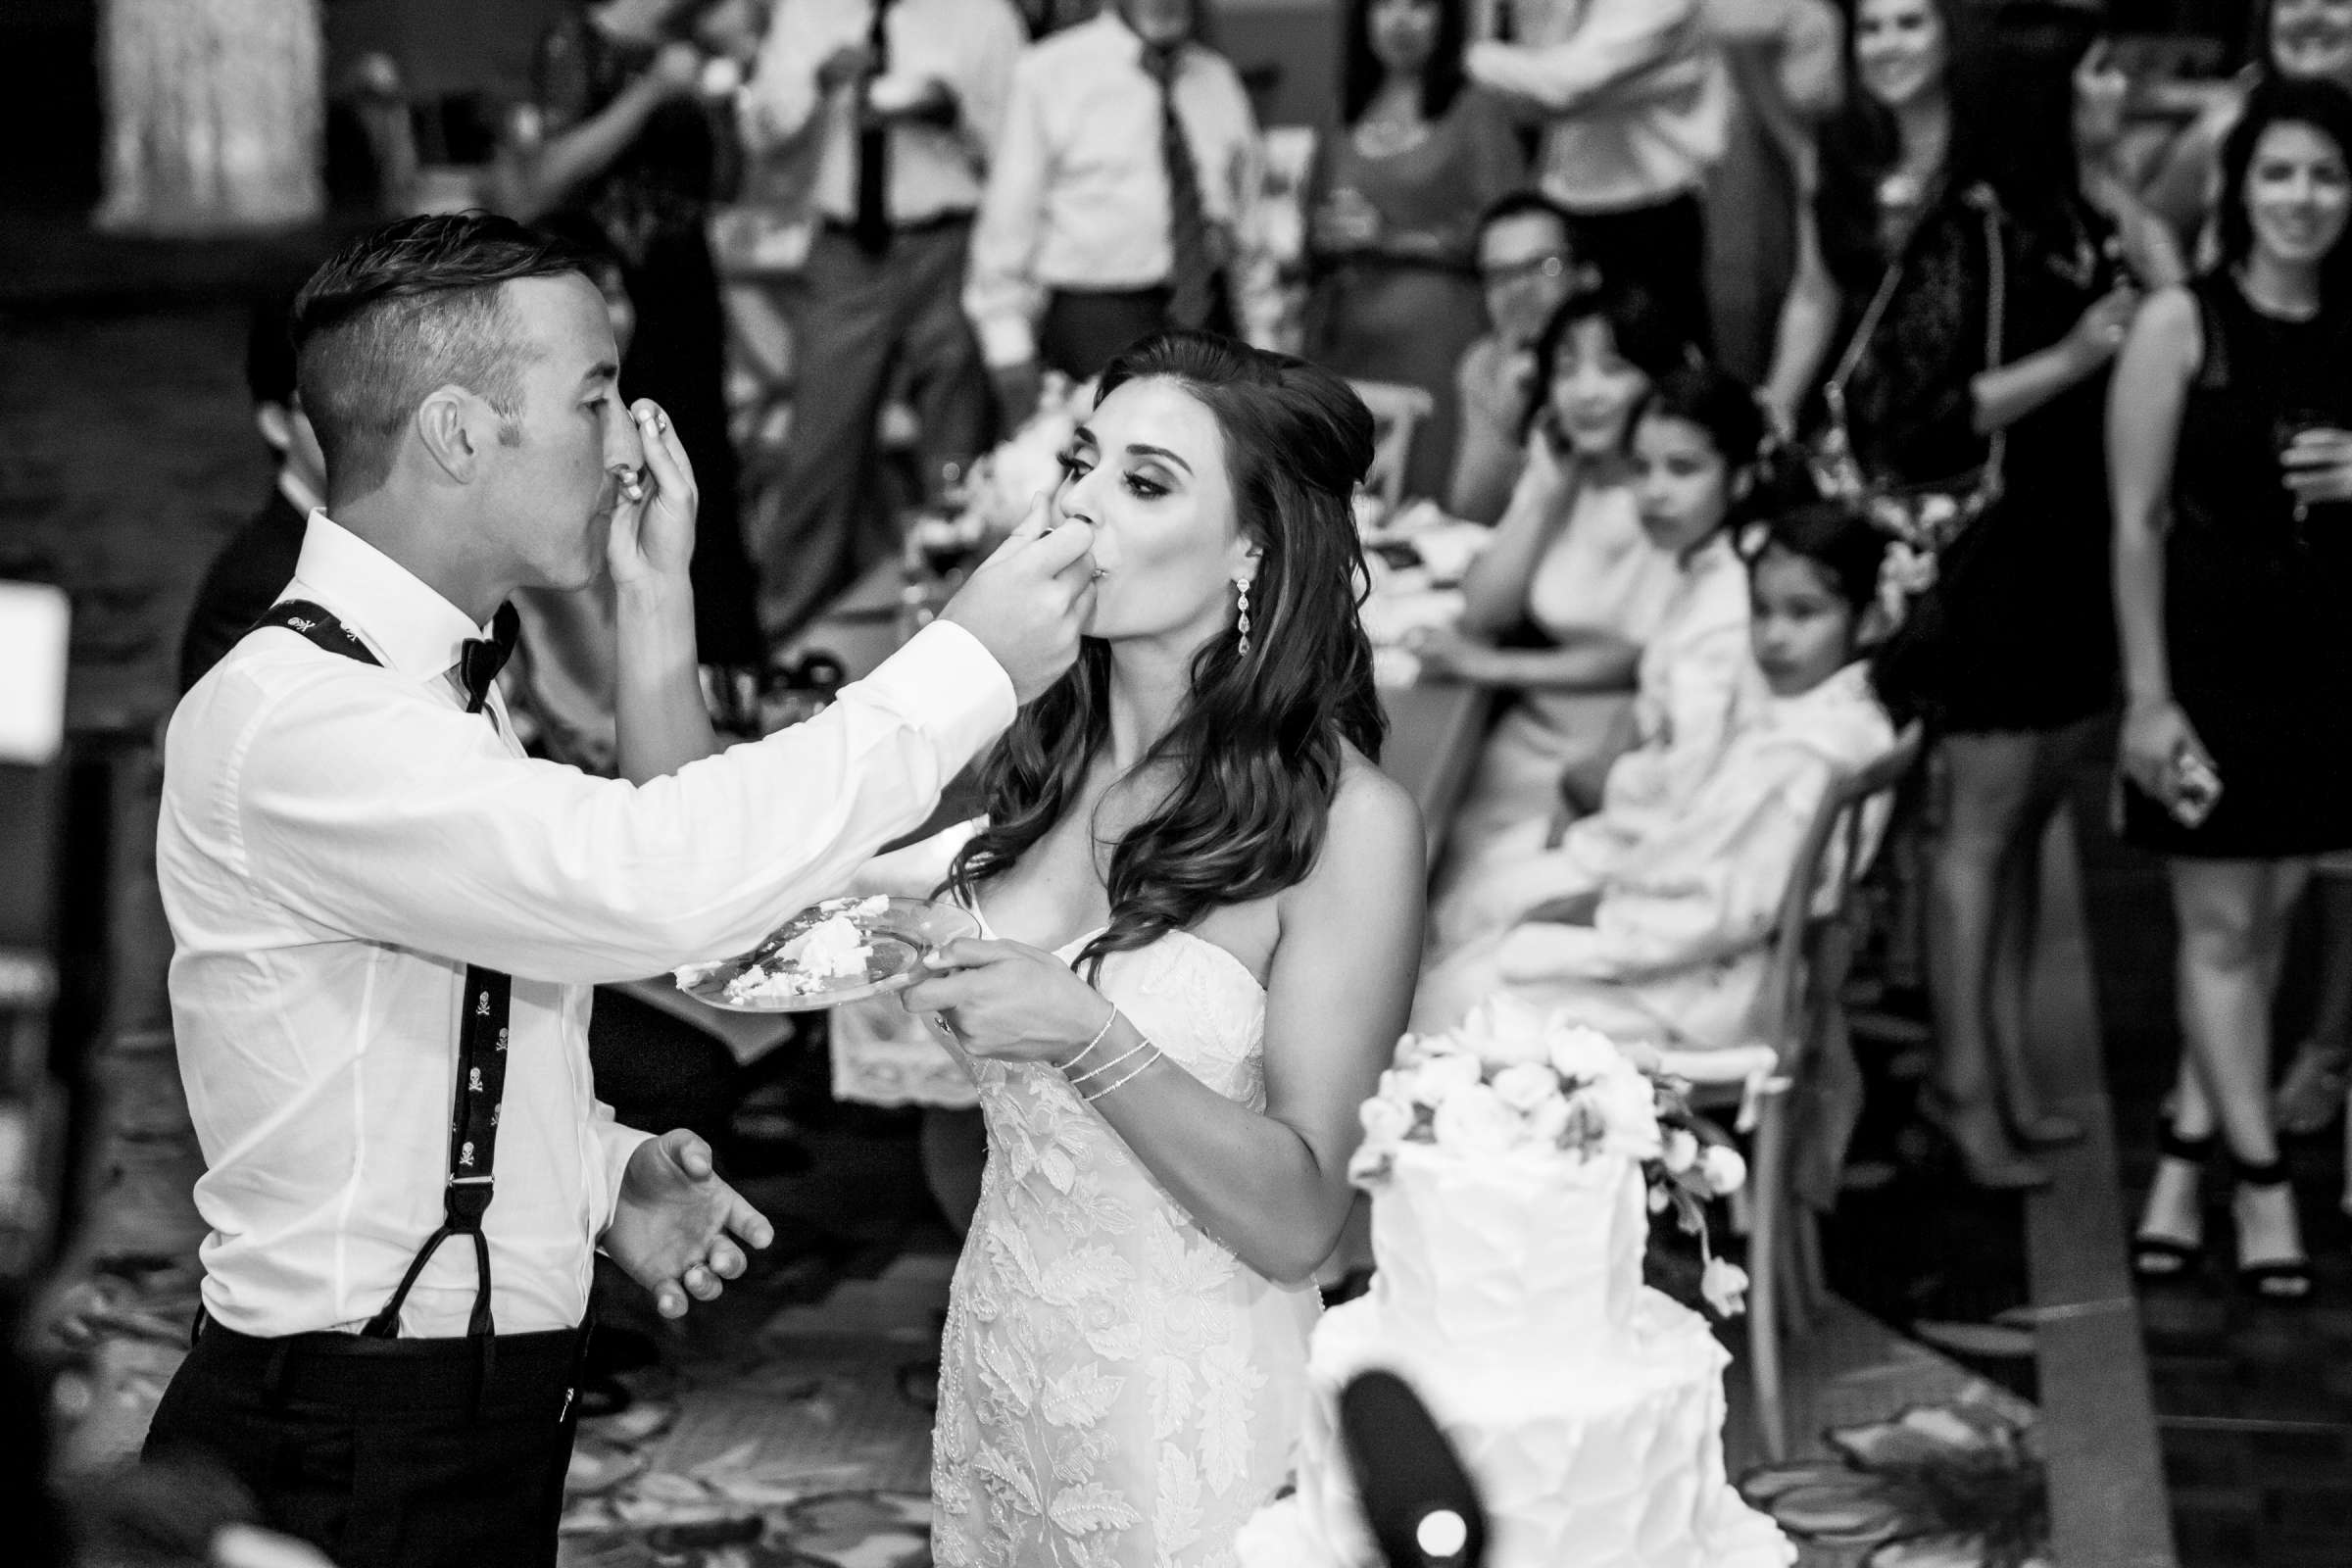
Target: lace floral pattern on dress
point(1117, 1389)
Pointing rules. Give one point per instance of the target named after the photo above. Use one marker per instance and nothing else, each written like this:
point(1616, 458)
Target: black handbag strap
point(482, 1084)
point(1996, 307)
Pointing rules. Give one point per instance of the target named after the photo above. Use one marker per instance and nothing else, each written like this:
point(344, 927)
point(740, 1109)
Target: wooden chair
point(1815, 939)
point(1398, 412)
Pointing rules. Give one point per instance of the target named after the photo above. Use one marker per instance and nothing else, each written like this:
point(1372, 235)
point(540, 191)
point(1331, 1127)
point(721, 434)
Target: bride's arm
point(1271, 1186)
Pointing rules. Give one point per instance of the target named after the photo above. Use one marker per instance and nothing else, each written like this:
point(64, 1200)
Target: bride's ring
point(947, 1026)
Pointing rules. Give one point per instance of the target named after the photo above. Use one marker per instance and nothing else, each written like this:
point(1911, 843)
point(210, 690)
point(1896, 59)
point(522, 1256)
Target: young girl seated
point(1569, 562)
point(1660, 931)
point(1689, 452)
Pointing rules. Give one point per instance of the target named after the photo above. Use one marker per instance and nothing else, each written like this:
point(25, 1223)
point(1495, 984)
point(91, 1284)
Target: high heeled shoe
point(2281, 1282)
point(1999, 1170)
point(2157, 1258)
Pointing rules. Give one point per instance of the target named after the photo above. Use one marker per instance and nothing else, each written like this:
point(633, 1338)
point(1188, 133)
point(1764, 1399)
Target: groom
point(387, 918)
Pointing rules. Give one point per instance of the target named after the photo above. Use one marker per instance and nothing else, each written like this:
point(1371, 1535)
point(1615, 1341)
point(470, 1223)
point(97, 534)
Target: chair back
point(1397, 414)
point(1814, 942)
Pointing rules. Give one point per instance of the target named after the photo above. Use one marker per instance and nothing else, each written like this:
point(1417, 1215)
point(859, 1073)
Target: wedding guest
point(2010, 675)
point(617, 131)
point(902, 105)
point(1786, 62)
point(2301, 40)
point(2232, 433)
point(1690, 449)
point(1201, 903)
point(1394, 197)
point(254, 567)
point(1123, 199)
point(1634, 104)
point(1659, 928)
point(1570, 561)
point(358, 864)
point(1880, 163)
point(1527, 268)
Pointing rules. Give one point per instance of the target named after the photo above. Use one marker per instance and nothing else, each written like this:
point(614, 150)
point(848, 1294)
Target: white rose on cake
point(1582, 1054)
point(1475, 1121)
point(1525, 1085)
point(1629, 1113)
point(1723, 1170)
point(1442, 1077)
point(1506, 1031)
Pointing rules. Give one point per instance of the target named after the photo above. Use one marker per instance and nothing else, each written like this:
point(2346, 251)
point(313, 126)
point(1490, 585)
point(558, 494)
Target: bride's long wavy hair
point(1258, 740)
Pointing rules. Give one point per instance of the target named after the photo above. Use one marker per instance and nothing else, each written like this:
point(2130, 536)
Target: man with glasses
point(1527, 262)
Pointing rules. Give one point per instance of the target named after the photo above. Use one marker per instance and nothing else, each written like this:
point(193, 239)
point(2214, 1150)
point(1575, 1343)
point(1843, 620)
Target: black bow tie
point(480, 659)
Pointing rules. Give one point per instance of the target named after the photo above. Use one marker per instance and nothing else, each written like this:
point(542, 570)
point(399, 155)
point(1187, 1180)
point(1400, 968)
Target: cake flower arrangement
point(1513, 1080)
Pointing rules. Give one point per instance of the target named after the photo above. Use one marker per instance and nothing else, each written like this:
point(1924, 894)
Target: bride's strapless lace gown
point(1116, 1387)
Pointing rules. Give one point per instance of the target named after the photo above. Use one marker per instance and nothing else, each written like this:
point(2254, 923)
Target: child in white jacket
point(1656, 925)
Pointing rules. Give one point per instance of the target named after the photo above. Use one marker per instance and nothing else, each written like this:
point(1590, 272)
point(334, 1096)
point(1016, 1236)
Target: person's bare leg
point(2311, 1094)
point(2233, 916)
point(1988, 780)
point(2056, 754)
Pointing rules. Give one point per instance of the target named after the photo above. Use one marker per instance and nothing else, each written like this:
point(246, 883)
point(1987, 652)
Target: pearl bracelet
point(1132, 1073)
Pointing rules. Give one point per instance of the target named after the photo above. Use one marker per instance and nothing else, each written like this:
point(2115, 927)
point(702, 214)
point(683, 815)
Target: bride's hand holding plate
point(1008, 1001)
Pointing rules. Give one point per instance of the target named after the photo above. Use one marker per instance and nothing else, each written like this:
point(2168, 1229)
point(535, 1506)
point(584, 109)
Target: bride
point(1202, 906)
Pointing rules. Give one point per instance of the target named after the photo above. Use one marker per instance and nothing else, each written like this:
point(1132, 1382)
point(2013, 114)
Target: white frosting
point(1509, 1257)
point(1587, 1407)
point(833, 949)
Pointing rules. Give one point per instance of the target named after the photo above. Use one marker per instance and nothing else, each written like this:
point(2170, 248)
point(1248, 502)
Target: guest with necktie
point(1123, 199)
point(386, 919)
point(896, 105)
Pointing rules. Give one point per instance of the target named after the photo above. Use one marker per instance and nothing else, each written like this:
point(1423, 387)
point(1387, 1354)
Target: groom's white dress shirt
point(338, 840)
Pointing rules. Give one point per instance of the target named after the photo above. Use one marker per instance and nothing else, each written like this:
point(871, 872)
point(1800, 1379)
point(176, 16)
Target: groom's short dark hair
point(401, 311)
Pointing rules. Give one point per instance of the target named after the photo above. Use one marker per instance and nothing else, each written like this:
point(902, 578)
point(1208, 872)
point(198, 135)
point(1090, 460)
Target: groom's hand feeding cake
point(1506, 1161)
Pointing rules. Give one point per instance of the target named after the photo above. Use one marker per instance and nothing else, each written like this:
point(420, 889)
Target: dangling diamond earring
point(1241, 586)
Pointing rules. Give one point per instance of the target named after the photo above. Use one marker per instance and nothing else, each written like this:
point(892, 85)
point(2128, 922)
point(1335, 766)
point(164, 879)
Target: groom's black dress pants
point(387, 1454)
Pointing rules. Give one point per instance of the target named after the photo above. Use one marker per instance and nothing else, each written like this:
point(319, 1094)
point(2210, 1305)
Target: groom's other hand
point(678, 1229)
point(1028, 602)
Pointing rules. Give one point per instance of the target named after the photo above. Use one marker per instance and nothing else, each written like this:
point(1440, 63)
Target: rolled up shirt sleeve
point(407, 823)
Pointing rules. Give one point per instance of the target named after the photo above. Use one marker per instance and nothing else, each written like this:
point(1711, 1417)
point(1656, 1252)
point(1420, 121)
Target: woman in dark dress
point(2007, 657)
point(1879, 164)
point(618, 132)
point(1394, 202)
point(2232, 433)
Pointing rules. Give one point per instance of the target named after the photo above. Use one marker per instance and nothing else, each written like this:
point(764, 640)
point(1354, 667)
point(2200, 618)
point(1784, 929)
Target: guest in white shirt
point(1634, 104)
point(1100, 225)
point(358, 859)
point(897, 103)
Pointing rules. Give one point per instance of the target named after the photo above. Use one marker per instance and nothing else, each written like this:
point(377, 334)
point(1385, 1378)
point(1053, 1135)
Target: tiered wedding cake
point(1508, 1220)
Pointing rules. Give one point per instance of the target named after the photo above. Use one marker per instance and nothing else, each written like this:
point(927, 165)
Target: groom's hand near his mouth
point(1028, 602)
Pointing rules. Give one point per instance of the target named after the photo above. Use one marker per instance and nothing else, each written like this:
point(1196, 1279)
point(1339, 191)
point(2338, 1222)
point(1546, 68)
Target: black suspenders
point(482, 1063)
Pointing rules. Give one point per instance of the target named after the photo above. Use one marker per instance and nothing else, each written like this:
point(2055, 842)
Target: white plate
point(901, 932)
